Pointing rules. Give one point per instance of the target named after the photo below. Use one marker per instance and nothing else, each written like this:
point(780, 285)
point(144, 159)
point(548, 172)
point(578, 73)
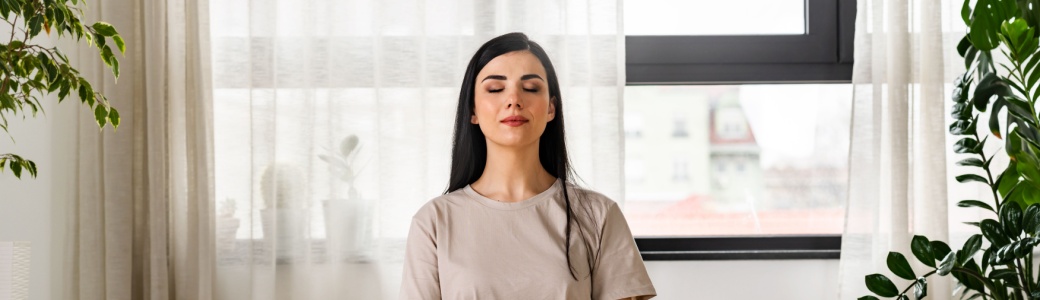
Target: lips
point(514, 121)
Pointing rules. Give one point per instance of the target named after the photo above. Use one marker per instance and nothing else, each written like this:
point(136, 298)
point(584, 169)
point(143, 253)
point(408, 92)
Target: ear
point(552, 109)
point(473, 119)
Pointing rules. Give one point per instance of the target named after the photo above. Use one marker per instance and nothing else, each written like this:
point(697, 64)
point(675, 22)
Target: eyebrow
point(522, 78)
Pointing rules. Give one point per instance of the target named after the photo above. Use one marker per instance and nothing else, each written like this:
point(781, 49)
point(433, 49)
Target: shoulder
point(591, 203)
point(590, 196)
point(438, 206)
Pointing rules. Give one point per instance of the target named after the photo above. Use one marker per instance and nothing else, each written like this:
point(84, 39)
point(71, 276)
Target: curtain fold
point(333, 126)
point(141, 217)
point(900, 154)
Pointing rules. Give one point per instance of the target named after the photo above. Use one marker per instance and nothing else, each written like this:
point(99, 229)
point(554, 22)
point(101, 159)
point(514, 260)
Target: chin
point(512, 141)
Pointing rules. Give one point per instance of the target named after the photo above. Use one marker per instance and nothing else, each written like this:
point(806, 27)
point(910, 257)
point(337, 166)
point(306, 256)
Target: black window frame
point(824, 54)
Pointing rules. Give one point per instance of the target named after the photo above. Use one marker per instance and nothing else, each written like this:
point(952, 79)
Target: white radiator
point(14, 270)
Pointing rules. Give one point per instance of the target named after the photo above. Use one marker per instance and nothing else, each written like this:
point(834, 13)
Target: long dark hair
point(469, 149)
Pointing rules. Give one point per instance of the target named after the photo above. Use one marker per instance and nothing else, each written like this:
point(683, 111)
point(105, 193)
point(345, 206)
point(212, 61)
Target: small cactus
point(282, 187)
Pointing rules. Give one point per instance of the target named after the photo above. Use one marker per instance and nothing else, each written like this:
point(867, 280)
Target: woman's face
point(512, 85)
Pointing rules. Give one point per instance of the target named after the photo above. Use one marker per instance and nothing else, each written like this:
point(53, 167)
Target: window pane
point(713, 17)
point(750, 159)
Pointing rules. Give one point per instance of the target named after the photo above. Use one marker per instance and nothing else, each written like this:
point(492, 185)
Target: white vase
point(285, 231)
point(348, 226)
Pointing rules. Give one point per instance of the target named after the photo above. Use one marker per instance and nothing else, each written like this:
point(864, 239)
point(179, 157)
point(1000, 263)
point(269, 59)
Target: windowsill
point(651, 248)
point(740, 248)
point(242, 252)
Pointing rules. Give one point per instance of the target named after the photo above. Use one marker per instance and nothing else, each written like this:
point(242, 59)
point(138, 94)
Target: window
point(821, 53)
point(680, 171)
point(679, 128)
point(701, 17)
point(634, 171)
point(764, 110)
point(633, 125)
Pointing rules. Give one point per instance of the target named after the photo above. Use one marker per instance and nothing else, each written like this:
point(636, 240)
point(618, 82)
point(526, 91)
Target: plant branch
point(907, 289)
point(989, 175)
point(14, 27)
point(972, 273)
point(1029, 87)
point(1022, 279)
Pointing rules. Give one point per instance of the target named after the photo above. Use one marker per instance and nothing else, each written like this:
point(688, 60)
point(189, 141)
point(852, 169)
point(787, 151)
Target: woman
point(511, 224)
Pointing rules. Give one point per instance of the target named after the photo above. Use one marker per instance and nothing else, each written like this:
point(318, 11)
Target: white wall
point(34, 210)
point(735, 279)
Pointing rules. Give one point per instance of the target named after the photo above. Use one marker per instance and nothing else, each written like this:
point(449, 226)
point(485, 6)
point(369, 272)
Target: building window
point(679, 127)
point(634, 171)
point(680, 170)
point(767, 106)
point(633, 125)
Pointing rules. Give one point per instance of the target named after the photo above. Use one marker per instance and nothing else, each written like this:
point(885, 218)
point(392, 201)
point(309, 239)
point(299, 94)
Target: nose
point(514, 99)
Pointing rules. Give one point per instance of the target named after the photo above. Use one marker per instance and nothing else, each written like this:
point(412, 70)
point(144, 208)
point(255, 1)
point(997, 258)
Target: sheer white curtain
point(901, 181)
point(333, 125)
point(140, 199)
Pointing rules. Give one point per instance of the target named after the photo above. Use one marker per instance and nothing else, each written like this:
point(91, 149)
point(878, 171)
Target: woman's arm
point(421, 280)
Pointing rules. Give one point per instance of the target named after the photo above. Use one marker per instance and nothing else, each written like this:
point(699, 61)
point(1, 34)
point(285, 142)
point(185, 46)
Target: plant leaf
point(921, 288)
point(971, 162)
point(899, 266)
point(104, 29)
point(1011, 218)
point(971, 177)
point(880, 285)
point(939, 249)
point(1031, 219)
point(1003, 274)
point(947, 264)
point(966, 145)
point(100, 115)
point(119, 43)
point(975, 203)
point(971, 246)
point(993, 232)
point(113, 117)
point(922, 249)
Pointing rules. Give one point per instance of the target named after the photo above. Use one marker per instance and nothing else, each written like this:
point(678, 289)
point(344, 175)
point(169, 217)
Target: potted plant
point(30, 70)
point(347, 219)
point(998, 262)
point(284, 217)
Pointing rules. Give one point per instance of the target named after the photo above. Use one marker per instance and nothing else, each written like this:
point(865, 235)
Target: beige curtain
point(333, 119)
point(901, 172)
point(141, 210)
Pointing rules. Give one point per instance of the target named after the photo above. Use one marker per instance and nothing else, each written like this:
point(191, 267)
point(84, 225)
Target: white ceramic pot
point(226, 229)
point(348, 226)
point(285, 231)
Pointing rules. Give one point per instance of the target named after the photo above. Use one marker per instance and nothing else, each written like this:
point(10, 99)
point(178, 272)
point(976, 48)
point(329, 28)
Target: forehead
point(515, 63)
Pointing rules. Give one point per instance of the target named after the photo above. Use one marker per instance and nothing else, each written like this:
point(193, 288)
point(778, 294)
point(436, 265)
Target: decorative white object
point(14, 270)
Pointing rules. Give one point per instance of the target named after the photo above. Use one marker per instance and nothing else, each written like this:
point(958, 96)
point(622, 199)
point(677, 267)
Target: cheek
point(484, 107)
point(539, 104)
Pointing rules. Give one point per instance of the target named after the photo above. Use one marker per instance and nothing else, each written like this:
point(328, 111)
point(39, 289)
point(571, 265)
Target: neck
point(513, 174)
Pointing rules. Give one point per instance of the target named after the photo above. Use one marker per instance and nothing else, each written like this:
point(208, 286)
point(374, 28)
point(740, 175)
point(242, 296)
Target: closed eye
point(532, 90)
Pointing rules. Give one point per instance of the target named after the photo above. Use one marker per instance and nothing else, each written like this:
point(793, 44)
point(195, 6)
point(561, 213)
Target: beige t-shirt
point(463, 245)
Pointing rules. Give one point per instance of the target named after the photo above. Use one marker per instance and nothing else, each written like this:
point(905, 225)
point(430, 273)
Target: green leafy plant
point(997, 262)
point(29, 71)
point(343, 164)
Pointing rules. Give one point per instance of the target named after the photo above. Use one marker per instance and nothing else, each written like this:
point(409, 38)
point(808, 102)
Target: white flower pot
point(285, 231)
point(226, 229)
point(348, 226)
